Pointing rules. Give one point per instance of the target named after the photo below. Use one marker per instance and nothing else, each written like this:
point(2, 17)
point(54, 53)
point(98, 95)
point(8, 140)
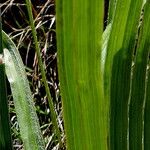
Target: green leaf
point(79, 32)
point(146, 113)
point(104, 43)
point(5, 135)
point(138, 92)
point(43, 73)
point(25, 110)
point(111, 10)
point(118, 64)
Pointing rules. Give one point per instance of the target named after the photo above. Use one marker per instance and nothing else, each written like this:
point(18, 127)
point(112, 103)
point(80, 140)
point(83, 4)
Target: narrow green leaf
point(138, 91)
point(5, 135)
point(25, 110)
point(43, 73)
point(79, 31)
point(115, 40)
point(146, 114)
point(1, 46)
point(111, 10)
point(104, 43)
point(118, 68)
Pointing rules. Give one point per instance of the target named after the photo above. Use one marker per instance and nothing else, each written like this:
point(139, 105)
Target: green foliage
point(41, 66)
point(5, 135)
point(24, 107)
point(125, 86)
point(79, 31)
point(104, 78)
point(118, 69)
point(146, 114)
point(139, 84)
point(26, 114)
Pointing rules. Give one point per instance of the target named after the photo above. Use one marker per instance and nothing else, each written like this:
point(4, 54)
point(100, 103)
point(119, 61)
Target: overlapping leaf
point(118, 65)
point(24, 105)
point(139, 84)
point(5, 135)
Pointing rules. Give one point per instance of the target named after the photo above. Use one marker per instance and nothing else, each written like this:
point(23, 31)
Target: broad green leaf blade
point(25, 110)
point(138, 90)
point(79, 31)
point(5, 135)
point(118, 69)
point(146, 114)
